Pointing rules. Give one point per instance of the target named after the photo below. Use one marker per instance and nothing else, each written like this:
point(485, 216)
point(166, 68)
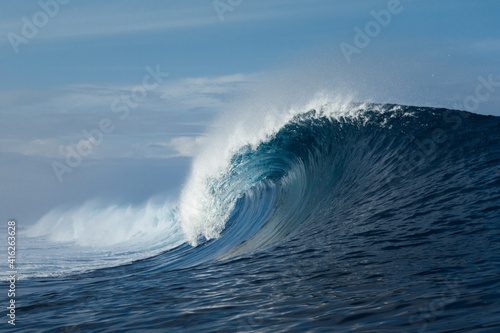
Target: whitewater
point(331, 215)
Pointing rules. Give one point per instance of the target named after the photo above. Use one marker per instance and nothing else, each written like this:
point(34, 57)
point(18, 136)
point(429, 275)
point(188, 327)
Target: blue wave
point(357, 217)
point(320, 168)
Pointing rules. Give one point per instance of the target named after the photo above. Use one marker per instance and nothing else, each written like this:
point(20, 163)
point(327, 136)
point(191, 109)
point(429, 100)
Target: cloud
point(486, 46)
point(186, 92)
point(93, 20)
point(187, 146)
point(37, 147)
point(79, 19)
point(166, 123)
point(205, 92)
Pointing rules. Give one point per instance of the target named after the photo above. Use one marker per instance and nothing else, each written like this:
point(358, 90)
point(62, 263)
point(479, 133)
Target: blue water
point(359, 217)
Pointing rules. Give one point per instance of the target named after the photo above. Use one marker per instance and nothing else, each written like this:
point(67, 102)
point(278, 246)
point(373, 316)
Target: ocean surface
point(340, 217)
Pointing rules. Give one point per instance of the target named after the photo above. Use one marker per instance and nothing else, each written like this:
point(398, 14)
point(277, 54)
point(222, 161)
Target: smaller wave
point(94, 235)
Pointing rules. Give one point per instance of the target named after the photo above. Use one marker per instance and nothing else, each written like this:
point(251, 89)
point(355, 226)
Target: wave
point(262, 177)
point(227, 166)
point(94, 235)
point(268, 177)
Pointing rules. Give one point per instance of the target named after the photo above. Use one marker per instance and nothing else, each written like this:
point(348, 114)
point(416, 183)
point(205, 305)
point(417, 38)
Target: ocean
point(340, 217)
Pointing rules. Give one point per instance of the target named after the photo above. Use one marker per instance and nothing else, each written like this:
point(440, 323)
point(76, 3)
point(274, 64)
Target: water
point(331, 217)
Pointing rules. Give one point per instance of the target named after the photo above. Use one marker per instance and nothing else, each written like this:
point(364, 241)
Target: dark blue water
point(387, 221)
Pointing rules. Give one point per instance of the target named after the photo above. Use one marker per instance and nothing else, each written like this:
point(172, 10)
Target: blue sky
point(66, 77)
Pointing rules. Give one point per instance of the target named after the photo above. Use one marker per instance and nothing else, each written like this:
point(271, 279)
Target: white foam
point(95, 235)
point(97, 225)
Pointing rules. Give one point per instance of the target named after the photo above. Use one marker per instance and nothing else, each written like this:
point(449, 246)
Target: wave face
point(328, 161)
point(354, 216)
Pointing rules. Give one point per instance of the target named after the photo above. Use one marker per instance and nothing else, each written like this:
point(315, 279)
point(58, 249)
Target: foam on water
point(95, 235)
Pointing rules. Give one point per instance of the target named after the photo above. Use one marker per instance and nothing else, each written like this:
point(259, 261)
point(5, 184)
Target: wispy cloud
point(186, 145)
point(37, 147)
point(486, 46)
point(187, 92)
point(78, 19)
point(52, 122)
point(102, 19)
point(205, 92)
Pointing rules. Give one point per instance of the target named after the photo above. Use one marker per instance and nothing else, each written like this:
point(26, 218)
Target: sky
point(111, 99)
